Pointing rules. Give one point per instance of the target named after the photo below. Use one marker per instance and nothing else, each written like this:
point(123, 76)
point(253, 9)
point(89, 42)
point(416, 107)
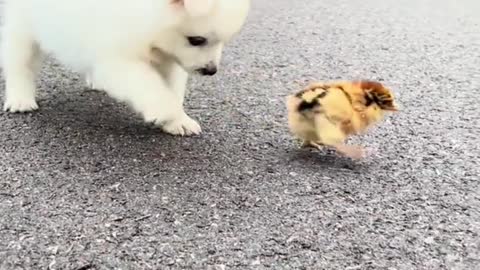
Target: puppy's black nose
point(208, 71)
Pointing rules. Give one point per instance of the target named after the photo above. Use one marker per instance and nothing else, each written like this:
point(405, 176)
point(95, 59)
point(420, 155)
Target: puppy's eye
point(197, 41)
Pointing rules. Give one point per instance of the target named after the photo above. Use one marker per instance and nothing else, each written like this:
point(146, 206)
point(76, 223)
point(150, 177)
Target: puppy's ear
point(195, 8)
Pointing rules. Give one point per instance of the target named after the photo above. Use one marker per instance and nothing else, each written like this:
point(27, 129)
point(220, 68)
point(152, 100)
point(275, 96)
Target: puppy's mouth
point(158, 56)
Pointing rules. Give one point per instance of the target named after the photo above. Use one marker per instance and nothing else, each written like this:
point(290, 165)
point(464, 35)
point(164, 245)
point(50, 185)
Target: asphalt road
point(84, 184)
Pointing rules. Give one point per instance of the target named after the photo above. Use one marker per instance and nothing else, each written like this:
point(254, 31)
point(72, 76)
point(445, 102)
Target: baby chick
point(328, 113)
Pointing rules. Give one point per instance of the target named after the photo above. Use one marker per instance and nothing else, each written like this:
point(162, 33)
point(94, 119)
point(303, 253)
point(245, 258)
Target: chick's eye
point(197, 41)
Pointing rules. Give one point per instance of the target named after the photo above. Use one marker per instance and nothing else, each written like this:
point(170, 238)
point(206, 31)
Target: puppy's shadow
point(95, 123)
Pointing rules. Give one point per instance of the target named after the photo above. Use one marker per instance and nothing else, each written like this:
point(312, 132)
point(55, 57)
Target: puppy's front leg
point(137, 83)
point(176, 77)
point(21, 59)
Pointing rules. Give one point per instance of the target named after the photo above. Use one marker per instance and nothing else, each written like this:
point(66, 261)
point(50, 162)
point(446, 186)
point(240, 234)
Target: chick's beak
point(393, 108)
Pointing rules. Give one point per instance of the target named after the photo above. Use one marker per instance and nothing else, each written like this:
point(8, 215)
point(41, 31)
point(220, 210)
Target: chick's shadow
point(316, 159)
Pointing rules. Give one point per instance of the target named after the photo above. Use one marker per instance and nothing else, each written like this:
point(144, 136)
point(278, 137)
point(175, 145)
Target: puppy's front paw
point(20, 104)
point(183, 125)
point(91, 84)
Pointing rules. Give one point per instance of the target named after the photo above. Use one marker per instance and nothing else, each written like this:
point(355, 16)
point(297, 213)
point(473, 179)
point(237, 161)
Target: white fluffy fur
point(135, 50)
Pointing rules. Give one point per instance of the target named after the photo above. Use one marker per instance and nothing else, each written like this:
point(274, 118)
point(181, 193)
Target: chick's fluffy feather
point(328, 113)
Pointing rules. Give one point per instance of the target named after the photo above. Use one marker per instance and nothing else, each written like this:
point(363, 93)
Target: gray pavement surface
point(84, 184)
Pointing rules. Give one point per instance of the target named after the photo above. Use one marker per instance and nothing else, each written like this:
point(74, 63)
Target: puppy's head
point(204, 27)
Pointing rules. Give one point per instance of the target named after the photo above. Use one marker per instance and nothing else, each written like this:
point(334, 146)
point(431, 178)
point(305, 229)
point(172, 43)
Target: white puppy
point(138, 51)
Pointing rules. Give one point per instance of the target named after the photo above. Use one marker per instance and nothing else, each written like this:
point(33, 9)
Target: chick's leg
point(352, 151)
point(317, 145)
point(332, 135)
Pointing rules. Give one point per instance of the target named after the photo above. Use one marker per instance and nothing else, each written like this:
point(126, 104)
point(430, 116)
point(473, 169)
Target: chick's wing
point(337, 107)
point(328, 132)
